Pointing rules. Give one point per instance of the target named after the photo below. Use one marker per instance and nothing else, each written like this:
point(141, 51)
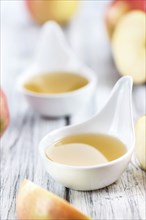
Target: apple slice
point(140, 133)
point(4, 113)
point(129, 46)
point(36, 203)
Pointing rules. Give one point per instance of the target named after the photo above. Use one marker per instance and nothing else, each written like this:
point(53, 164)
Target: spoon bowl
point(115, 119)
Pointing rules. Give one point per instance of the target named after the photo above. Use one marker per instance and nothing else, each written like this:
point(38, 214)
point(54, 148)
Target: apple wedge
point(140, 143)
point(129, 46)
point(36, 203)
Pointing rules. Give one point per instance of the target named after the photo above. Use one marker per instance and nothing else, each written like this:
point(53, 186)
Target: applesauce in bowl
point(55, 83)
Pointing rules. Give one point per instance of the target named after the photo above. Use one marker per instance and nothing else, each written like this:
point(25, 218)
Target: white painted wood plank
point(20, 157)
point(124, 199)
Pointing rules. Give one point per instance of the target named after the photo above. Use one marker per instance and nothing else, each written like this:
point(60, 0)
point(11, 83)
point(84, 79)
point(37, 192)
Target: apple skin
point(36, 203)
point(117, 9)
point(60, 11)
point(137, 4)
point(4, 113)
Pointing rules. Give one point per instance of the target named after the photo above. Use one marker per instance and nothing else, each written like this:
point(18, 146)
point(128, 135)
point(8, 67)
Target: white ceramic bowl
point(114, 119)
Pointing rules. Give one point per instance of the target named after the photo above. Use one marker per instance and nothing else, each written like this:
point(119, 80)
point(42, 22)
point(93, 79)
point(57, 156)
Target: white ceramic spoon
point(114, 119)
point(54, 55)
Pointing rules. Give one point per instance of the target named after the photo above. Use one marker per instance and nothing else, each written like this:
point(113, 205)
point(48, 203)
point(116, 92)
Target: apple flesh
point(129, 46)
point(4, 114)
point(60, 11)
point(140, 143)
point(34, 203)
point(117, 9)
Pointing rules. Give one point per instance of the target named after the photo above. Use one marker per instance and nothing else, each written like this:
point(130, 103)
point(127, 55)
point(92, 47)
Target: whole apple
point(4, 113)
point(117, 9)
point(60, 11)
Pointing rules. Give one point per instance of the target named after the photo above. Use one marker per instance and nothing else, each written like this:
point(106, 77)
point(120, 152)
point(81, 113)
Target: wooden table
point(125, 199)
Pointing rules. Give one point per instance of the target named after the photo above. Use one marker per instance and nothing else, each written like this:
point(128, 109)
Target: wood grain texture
point(19, 158)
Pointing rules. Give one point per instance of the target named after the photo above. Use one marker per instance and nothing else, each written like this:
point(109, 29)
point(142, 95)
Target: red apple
point(4, 114)
point(34, 203)
point(117, 9)
point(60, 11)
